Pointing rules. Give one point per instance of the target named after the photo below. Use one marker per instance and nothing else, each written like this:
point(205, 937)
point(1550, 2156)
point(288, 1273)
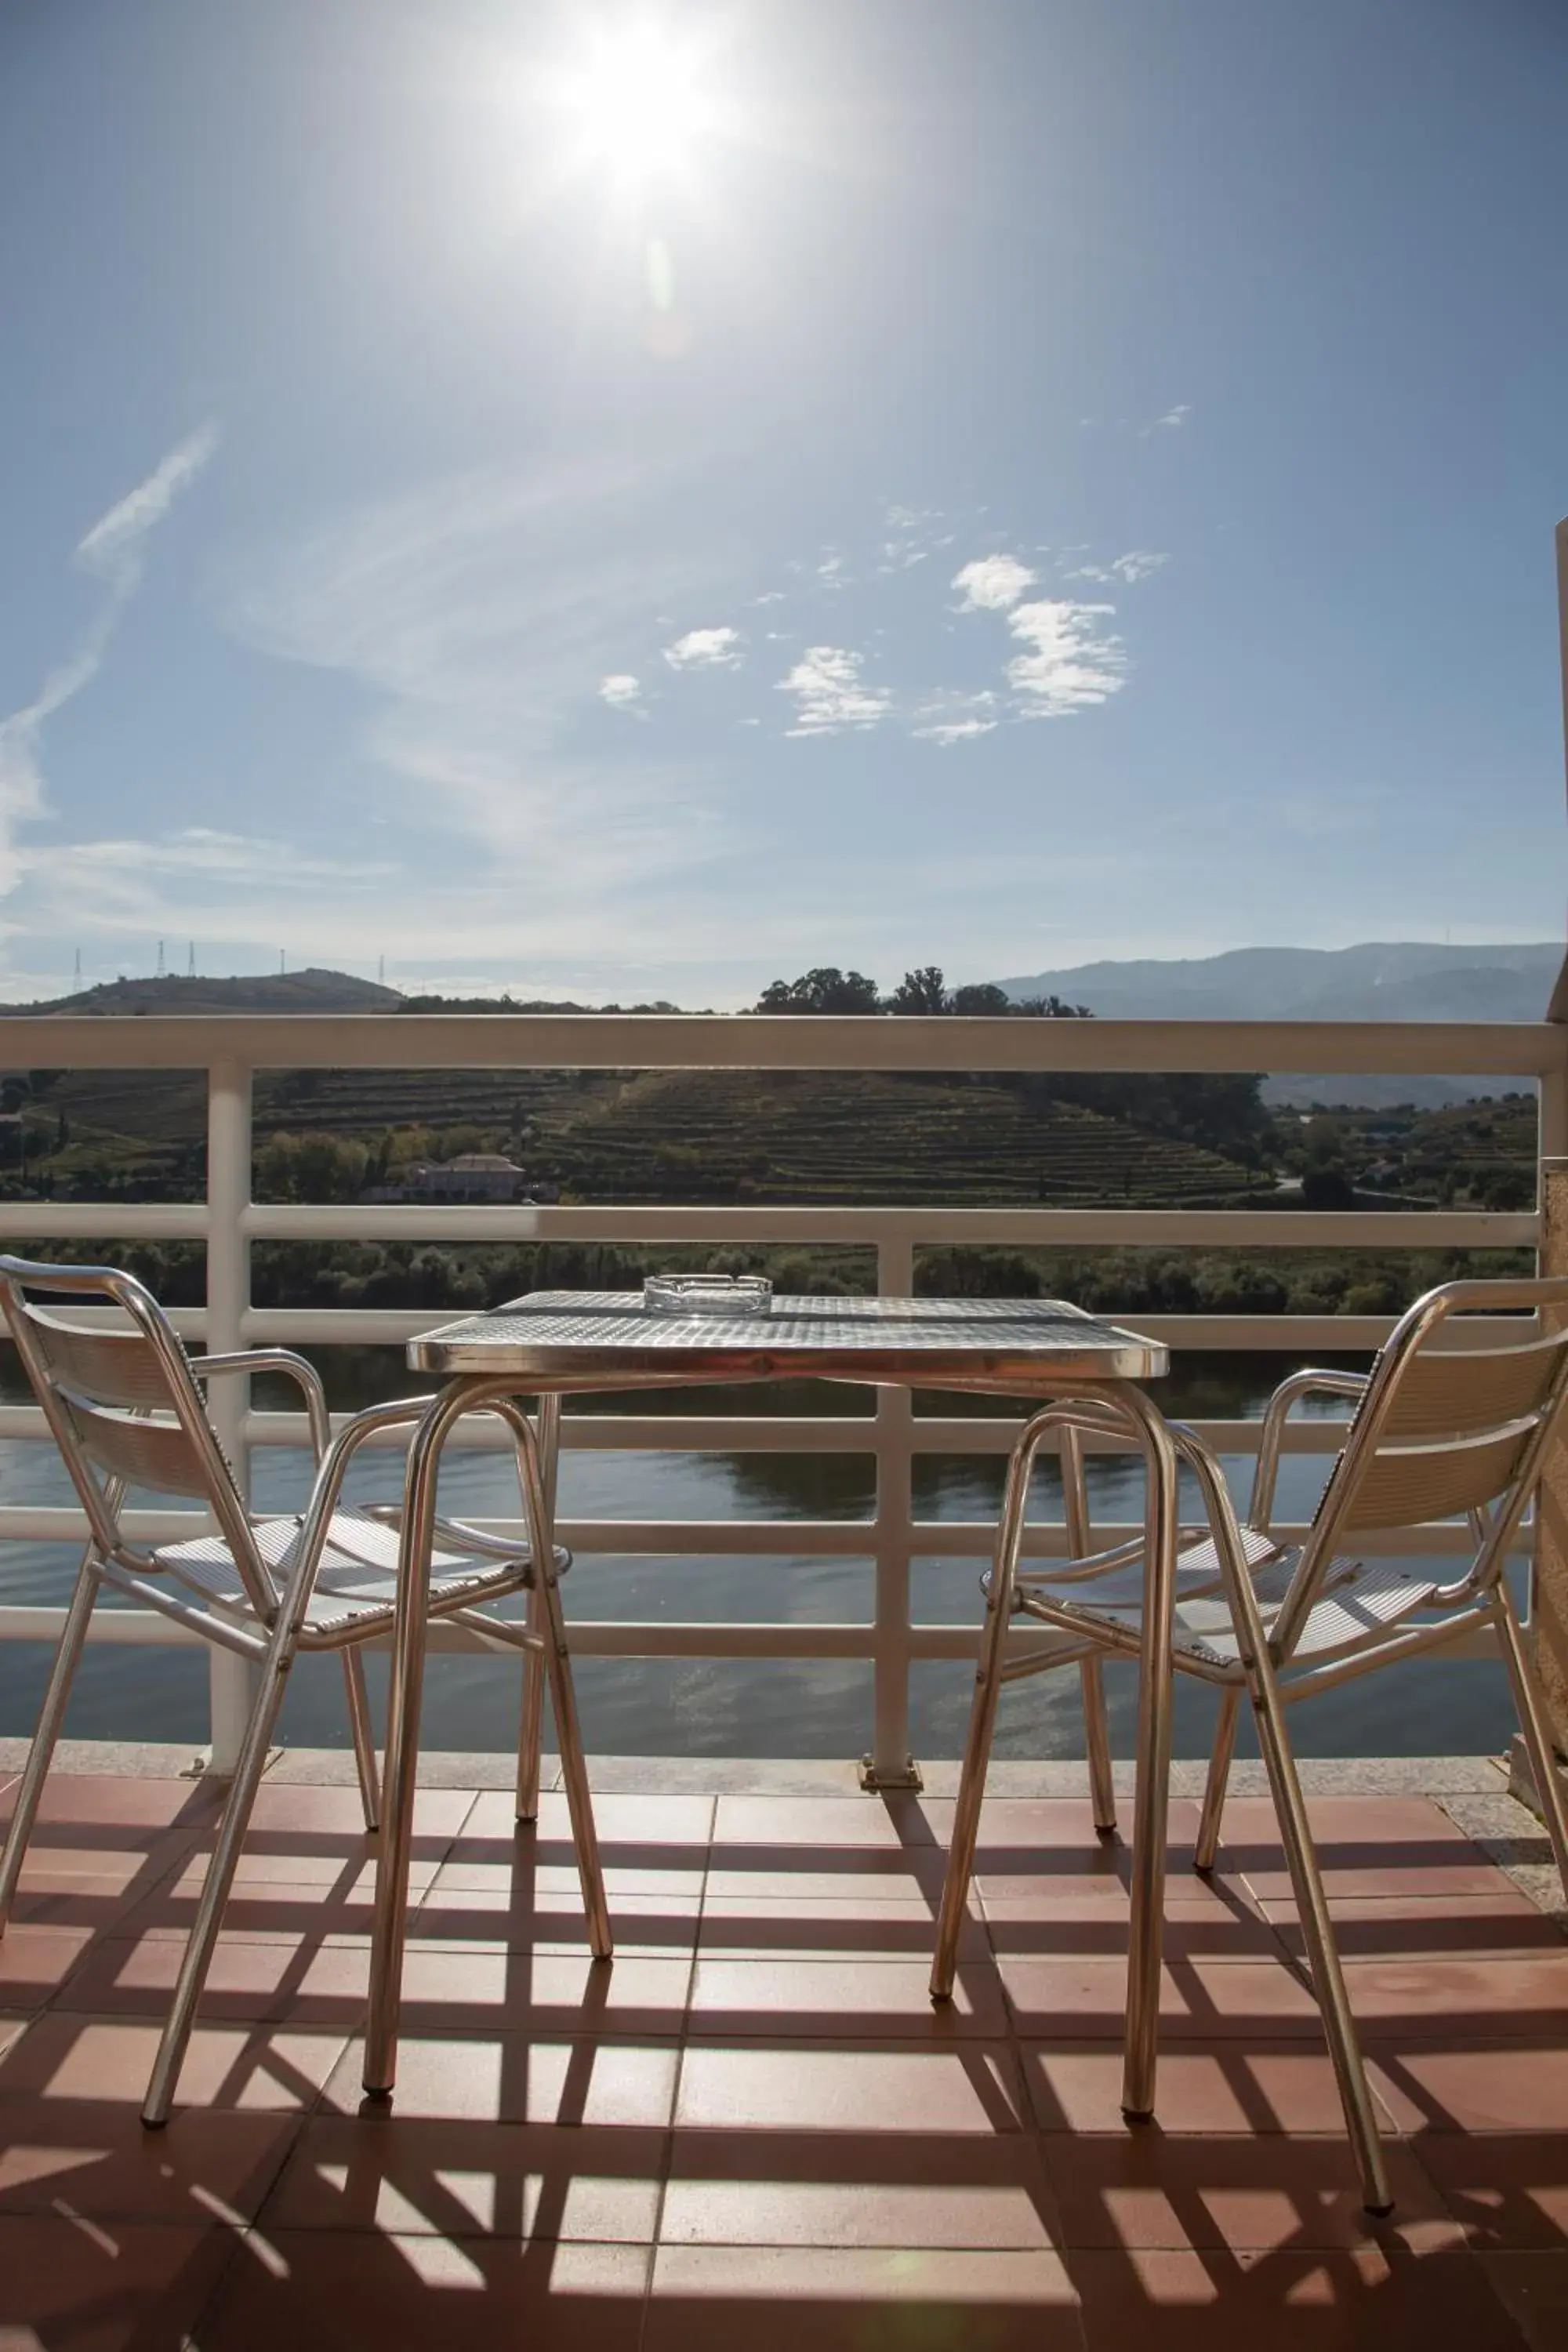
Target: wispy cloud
point(1137, 564)
point(1068, 663)
point(831, 695)
point(622, 692)
point(954, 716)
point(705, 649)
point(1170, 419)
point(113, 551)
point(992, 583)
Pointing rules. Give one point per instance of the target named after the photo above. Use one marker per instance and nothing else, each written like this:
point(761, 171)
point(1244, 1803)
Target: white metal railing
point(230, 1050)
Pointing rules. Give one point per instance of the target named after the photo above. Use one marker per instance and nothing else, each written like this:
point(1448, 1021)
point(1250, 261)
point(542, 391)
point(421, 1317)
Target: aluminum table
point(557, 1343)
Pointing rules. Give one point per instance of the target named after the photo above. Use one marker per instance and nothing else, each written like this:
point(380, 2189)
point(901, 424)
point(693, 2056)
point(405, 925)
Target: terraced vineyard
point(830, 1137)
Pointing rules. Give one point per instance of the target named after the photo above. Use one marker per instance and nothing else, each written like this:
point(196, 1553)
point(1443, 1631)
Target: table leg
point(1153, 1802)
point(531, 1737)
point(400, 1772)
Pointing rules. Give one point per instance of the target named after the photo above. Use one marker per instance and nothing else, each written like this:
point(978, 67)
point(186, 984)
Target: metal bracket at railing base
point(906, 1775)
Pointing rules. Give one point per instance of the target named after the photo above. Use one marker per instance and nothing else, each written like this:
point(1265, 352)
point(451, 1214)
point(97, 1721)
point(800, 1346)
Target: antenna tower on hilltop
point(190, 962)
point(161, 960)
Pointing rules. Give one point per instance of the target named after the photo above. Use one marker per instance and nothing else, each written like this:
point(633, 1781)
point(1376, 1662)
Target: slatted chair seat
point(1444, 1431)
point(356, 1582)
point(126, 1407)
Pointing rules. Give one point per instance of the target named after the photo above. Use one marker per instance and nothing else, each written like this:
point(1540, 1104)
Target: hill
point(279, 991)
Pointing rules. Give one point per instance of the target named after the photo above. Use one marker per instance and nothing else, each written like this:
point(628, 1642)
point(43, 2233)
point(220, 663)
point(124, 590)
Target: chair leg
point(1097, 1745)
point(982, 1718)
point(575, 1770)
point(51, 1715)
point(530, 1736)
point(1532, 1723)
point(197, 1956)
point(1205, 1852)
point(1316, 1929)
point(364, 1736)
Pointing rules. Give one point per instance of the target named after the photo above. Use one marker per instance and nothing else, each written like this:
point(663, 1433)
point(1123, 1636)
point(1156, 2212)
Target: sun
point(635, 103)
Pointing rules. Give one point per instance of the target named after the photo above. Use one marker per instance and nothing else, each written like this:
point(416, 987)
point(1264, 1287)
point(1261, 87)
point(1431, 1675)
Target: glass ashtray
point(707, 1294)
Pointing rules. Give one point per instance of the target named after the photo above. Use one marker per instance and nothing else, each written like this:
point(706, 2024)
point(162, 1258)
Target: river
point(714, 1707)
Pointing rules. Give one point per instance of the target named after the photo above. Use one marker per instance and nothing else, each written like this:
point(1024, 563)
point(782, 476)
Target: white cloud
point(1174, 417)
point(830, 693)
point(113, 547)
point(705, 649)
point(1069, 664)
point(622, 692)
point(1137, 564)
point(992, 583)
point(112, 551)
point(954, 718)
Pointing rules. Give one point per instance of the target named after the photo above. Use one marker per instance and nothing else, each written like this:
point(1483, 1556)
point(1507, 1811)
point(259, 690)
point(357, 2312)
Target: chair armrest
point(278, 1360)
point(1290, 1392)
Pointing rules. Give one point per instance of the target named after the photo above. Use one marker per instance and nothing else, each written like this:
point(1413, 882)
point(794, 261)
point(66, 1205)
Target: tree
point(924, 991)
point(825, 988)
point(980, 999)
point(1051, 1008)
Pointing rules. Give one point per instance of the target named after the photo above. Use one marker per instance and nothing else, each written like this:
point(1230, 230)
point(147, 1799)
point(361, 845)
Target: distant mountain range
point(1405, 982)
point(1400, 981)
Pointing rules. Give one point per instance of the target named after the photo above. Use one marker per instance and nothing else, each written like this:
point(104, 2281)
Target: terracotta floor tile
point(403, 2174)
point(1200, 1999)
point(552, 1920)
point(1086, 1929)
point(1064, 1824)
point(1233, 2086)
point(248, 1979)
point(788, 1822)
point(860, 2299)
point(860, 1875)
point(1320, 2300)
point(36, 1960)
point(1534, 2290)
point(522, 1874)
point(1149, 2188)
point(1401, 1927)
point(892, 2089)
point(100, 2161)
point(1476, 2087)
point(447, 1988)
point(827, 1928)
point(286, 1808)
point(779, 2188)
point(1462, 1998)
point(263, 1912)
point(1508, 2191)
point(11, 2032)
point(77, 2285)
point(519, 2078)
point(623, 1823)
point(880, 1998)
point(418, 2292)
point(113, 1800)
point(69, 2060)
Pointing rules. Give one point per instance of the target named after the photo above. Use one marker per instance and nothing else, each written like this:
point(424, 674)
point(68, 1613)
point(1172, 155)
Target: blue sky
point(625, 503)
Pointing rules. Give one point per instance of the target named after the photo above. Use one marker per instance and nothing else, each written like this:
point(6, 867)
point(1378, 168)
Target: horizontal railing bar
point(654, 1434)
point(740, 1041)
point(120, 1220)
point(738, 1539)
point(144, 1629)
point(1045, 1228)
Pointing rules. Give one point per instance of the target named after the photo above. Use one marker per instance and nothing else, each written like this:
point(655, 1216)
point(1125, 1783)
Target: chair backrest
point(1445, 1429)
point(122, 1404)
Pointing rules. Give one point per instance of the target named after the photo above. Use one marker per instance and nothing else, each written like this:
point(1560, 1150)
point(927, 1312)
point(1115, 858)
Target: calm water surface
point(702, 1706)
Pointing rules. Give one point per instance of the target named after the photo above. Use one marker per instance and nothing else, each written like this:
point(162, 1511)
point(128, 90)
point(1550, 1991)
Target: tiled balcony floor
point(752, 2130)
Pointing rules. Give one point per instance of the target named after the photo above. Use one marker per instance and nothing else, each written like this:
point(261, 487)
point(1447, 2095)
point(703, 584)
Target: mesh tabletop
point(574, 1336)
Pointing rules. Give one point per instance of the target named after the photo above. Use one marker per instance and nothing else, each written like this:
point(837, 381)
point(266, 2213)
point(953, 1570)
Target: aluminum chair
point(123, 1403)
point(1439, 1433)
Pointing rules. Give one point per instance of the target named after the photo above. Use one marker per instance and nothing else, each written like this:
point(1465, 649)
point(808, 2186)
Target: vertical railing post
point(889, 1764)
point(228, 1297)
